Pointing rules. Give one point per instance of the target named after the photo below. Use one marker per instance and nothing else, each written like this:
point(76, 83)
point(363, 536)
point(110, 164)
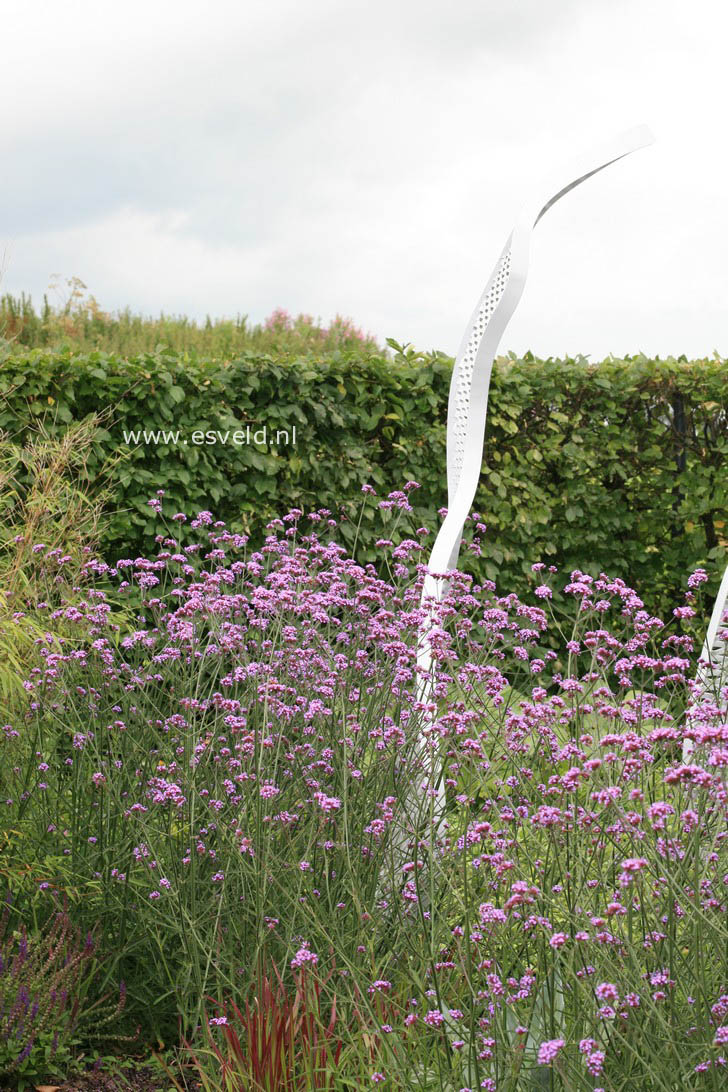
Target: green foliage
point(45, 498)
point(44, 981)
point(282, 1043)
point(228, 877)
point(78, 320)
point(617, 465)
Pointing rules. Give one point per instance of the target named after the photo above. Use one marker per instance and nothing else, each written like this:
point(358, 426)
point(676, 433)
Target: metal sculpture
point(467, 408)
point(712, 675)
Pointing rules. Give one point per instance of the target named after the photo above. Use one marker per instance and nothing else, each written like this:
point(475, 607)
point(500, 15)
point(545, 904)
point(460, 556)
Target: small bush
point(44, 982)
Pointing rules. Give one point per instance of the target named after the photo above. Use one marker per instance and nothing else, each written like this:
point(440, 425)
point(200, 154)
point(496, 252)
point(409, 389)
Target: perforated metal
point(462, 379)
point(718, 677)
point(712, 679)
point(467, 410)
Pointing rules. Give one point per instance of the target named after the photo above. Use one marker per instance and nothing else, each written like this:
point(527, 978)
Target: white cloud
point(370, 159)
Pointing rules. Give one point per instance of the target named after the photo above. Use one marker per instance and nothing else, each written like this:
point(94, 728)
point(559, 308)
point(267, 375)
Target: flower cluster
point(253, 764)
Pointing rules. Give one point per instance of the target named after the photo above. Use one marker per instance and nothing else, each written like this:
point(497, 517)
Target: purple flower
point(548, 1051)
point(303, 956)
point(434, 1018)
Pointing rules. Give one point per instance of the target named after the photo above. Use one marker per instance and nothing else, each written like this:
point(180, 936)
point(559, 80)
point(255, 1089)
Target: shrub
point(617, 465)
point(44, 981)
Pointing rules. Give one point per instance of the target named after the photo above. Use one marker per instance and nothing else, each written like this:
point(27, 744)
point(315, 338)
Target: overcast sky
point(369, 159)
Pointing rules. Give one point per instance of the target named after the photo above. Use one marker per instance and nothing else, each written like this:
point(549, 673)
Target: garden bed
point(211, 836)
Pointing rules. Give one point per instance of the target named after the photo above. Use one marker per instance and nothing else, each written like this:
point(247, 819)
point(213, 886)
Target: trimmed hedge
point(618, 465)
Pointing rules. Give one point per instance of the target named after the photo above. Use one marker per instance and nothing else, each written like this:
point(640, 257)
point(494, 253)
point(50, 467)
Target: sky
point(370, 159)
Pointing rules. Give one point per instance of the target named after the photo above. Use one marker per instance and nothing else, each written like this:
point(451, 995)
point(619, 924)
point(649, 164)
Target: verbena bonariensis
point(225, 781)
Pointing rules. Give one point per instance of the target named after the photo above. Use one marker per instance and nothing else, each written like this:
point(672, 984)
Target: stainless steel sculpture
point(467, 408)
point(712, 675)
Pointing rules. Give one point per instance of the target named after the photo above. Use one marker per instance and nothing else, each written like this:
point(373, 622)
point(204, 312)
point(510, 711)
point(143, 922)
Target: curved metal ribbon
point(714, 675)
point(468, 403)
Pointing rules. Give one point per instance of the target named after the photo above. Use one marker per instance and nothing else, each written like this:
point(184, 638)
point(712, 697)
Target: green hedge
point(617, 465)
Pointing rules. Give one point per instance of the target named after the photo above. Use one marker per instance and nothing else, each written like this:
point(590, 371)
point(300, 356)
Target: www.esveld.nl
point(199, 437)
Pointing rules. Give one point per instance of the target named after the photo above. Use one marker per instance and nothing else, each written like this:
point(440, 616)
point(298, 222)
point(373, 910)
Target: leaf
point(604, 487)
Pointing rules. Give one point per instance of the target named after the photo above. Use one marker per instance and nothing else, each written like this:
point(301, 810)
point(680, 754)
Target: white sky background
point(370, 158)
